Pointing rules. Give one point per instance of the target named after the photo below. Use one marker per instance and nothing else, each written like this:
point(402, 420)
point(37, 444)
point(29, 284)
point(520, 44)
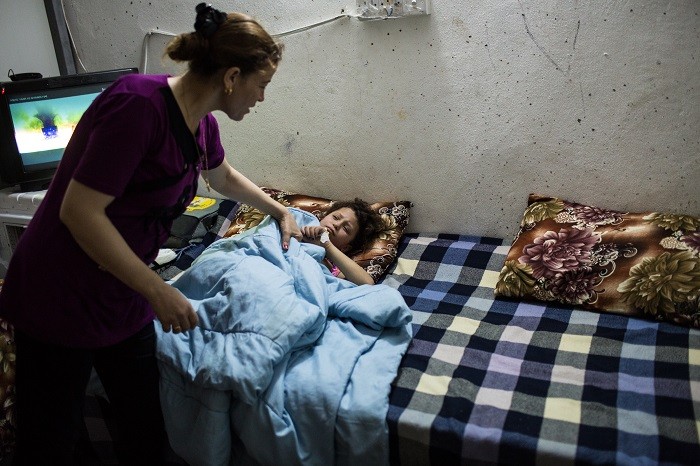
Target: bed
point(489, 381)
point(503, 367)
point(537, 377)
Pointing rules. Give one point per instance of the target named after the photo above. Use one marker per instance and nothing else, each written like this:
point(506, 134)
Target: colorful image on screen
point(44, 127)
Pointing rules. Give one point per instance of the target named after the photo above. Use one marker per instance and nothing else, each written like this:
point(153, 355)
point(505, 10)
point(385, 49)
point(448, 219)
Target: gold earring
point(228, 91)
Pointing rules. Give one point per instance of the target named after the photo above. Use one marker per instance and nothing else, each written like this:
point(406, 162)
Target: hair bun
point(208, 19)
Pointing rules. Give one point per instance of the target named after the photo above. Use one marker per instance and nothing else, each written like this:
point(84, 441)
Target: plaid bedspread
point(494, 381)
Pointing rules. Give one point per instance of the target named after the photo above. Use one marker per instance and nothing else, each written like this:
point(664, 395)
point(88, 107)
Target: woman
point(78, 289)
point(344, 228)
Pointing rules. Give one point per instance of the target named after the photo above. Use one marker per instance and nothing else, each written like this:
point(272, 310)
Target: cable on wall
point(149, 34)
point(70, 38)
point(311, 26)
point(144, 47)
point(146, 38)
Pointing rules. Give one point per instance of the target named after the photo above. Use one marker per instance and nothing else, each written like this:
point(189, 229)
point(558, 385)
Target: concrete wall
point(464, 112)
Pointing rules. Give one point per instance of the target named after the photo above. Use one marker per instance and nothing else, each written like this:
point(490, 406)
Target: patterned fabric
point(376, 256)
point(7, 386)
point(637, 264)
point(185, 256)
point(501, 381)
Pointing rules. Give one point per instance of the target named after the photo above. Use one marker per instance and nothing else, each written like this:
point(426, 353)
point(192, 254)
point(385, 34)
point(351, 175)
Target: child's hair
point(224, 40)
point(370, 222)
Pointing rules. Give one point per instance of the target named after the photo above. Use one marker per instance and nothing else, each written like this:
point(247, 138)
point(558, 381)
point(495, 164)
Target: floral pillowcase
point(376, 255)
point(637, 264)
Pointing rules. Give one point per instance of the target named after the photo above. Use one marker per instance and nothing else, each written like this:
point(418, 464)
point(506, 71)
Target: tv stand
point(16, 210)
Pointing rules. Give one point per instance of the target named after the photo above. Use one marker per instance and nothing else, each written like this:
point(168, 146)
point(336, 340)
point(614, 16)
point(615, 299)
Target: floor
point(98, 448)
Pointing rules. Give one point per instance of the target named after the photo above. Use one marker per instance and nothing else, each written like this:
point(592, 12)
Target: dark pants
point(50, 392)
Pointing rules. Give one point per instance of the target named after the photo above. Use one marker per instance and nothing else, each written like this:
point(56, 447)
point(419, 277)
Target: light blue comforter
point(289, 365)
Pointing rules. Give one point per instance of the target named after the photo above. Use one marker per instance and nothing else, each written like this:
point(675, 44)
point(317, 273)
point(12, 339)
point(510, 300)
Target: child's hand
point(313, 234)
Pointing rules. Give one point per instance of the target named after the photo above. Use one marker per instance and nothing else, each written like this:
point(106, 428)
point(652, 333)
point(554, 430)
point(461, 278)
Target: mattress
point(490, 380)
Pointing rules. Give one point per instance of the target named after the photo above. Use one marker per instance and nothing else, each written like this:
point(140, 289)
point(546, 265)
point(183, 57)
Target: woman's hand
point(289, 228)
point(232, 184)
point(174, 311)
point(83, 213)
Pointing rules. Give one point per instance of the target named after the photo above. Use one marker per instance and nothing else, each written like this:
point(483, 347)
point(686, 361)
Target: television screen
point(37, 119)
point(44, 121)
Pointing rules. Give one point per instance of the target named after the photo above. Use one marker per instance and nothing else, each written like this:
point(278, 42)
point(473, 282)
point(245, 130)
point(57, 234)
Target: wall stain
point(289, 145)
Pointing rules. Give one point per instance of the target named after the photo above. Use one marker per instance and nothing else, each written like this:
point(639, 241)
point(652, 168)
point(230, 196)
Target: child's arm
point(349, 269)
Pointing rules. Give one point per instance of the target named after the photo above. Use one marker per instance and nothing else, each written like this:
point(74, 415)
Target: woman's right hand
point(83, 211)
point(174, 311)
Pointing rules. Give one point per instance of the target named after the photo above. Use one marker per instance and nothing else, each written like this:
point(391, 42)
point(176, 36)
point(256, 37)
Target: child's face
point(342, 225)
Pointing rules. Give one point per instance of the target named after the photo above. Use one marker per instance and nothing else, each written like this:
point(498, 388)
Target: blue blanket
point(289, 365)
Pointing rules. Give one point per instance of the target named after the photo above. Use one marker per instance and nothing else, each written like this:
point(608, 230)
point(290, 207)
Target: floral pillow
point(376, 255)
point(637, 264)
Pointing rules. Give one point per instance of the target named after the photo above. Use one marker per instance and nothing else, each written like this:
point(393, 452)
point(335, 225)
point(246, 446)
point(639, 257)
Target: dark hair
point(370, 222)
point(224, 40)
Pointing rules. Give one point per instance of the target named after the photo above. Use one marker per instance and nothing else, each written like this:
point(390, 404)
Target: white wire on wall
point(149, 34)
point(70, 38)
point(311, 26)
point(144, 48)
point(146, 38)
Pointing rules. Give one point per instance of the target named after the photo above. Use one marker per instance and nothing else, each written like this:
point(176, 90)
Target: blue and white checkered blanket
point(491, 381)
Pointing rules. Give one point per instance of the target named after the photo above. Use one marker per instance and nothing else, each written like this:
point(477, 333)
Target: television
point(37, 118)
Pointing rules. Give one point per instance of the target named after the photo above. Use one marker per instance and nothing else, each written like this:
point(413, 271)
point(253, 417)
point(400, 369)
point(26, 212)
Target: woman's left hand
point(289, 228)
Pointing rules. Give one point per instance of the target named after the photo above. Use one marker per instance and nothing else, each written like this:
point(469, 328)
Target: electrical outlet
point(391, 9)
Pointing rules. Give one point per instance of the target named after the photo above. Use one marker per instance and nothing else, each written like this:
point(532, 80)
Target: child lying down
point(343, 229)
point(286, 358)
